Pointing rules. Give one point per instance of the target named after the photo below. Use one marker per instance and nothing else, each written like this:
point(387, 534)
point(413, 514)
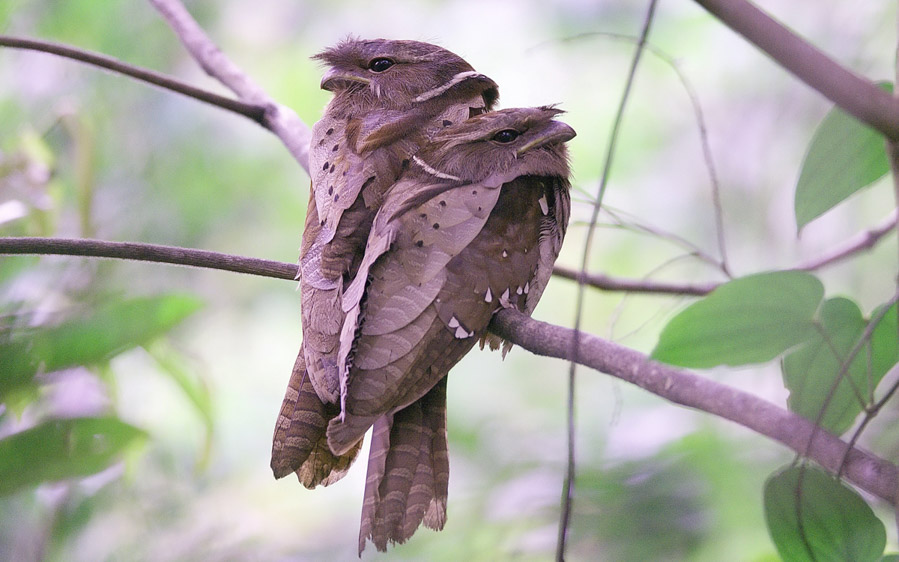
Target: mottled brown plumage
point(389, 98)
point(473, 225)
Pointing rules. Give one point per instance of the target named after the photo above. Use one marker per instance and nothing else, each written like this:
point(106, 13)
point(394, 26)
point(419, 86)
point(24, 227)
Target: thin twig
point(146, 252)
point(280, 120)
point(700, 123)
point(856, 244)
point(873, 411)
point(248, 110)
point(568, 484)
point(867, 471)
point(861, 241)
point(854, 94)
point(606, 283)
point(632, 224)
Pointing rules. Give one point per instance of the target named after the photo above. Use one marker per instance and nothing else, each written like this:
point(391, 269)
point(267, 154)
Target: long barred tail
point(299, 444)
point(408, 472)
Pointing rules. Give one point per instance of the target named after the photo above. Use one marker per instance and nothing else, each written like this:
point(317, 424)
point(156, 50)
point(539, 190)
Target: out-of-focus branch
point(251, 111)
point(606, 283)
point(852, 93)
point(147, 252)
point(869, 472)
point(280, 120)
point(858, 243)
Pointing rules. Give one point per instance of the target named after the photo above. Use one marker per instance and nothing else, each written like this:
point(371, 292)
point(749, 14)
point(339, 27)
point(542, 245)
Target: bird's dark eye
point(506, 135)
point(379, 64)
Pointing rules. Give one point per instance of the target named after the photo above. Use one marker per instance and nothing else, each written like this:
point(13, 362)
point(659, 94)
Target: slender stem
point(248, 110)
point(568, 483)
point(700, 123)
point(148, 252)
point(873, 411)
point(606, 283)
point(845, 364)
point(861, 241)
point(852, 93)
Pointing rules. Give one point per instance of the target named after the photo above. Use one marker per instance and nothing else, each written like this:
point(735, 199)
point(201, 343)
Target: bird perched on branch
point(473, 226)
point(428, 214)
point(389, 98)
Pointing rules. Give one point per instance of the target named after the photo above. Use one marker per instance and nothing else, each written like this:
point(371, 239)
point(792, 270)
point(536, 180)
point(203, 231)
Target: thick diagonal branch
point(854, 94)
point(871, 473)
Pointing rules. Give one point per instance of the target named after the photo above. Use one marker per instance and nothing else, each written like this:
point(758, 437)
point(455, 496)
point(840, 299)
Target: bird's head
point(398, 74)
point(501, 145)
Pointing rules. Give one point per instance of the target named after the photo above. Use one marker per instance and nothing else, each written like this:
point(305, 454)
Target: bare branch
point(606, 283)
point(279, 119)
point(147, 252)
point(846, 249)
point(248, 110)
point(861, 241)
point(871, 473)
point(852, 93)
point(701, 125)
point(568, 484)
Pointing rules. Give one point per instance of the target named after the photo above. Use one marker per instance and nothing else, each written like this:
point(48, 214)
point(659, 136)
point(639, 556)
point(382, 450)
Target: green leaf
point(844, 156)
point(748, 320)
point(90, 339)
point(18, 368)
point(60, 449)
point(111, 329)
point(811, 516)
point(194, 389)
point(811, 371)
point(885, 340)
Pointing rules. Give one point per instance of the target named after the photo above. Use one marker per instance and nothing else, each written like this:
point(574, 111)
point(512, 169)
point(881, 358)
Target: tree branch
point(852, 93)
point(248, 110)
point(147, 252)
point(860, 242)
point(869, 472)
point(279, 119)
point(606, 283)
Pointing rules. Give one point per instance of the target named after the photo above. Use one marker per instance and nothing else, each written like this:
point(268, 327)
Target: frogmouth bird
point(473, 226)
point(440, 214)
point(389, 98)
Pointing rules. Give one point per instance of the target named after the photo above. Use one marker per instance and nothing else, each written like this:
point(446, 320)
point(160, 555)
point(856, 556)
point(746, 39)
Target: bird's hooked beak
point(555, 132)
point(333, 77)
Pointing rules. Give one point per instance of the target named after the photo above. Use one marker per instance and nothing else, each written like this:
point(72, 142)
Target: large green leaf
point(844, 156)
point(813, 517)
point(811, 371)
point(60, 449)
point(91, 338)
point(748, 320)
